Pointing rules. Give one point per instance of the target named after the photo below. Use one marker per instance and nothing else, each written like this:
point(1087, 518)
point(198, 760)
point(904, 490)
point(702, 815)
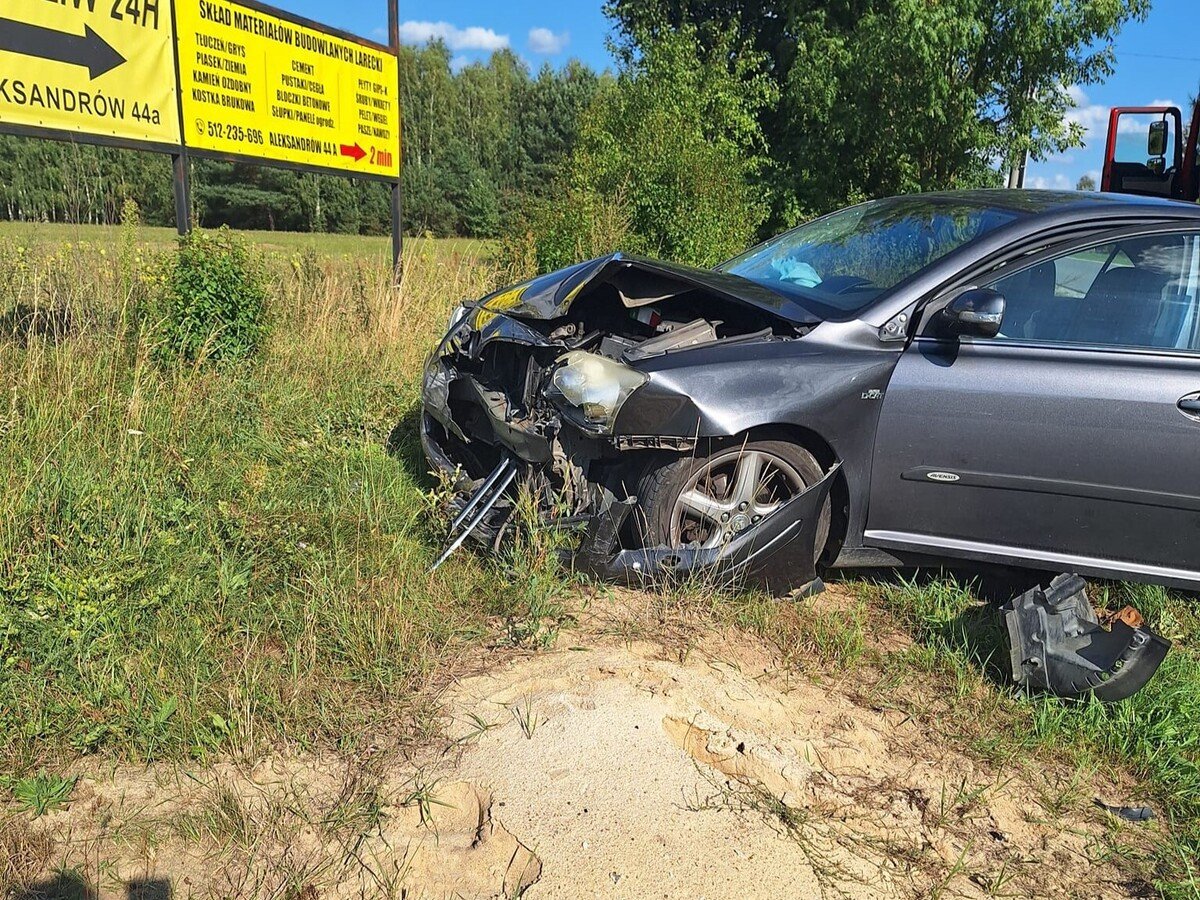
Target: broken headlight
point(594, 385)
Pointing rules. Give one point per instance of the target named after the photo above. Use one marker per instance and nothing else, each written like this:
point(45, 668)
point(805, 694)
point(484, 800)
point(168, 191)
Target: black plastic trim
point(1055, 487)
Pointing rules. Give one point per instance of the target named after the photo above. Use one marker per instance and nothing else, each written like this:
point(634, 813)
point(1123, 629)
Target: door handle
point(1190, 403)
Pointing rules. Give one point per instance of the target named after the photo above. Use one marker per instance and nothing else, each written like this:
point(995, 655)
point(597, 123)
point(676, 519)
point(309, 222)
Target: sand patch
point(646, 776)
point(614, 768)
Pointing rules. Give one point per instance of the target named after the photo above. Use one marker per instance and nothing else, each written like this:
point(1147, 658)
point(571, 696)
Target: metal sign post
point(397, 192)
point(183, 193)
point(181, 172)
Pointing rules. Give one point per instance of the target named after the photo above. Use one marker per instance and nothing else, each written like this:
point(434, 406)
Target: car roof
point(1089, 203)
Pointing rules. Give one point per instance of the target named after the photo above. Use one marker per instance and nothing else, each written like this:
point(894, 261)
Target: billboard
point(89, 69)
point(210, 77)
point(258, 84)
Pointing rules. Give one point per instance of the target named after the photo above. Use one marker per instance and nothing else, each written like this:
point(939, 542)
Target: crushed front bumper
point(481, 415)
point(778, 554)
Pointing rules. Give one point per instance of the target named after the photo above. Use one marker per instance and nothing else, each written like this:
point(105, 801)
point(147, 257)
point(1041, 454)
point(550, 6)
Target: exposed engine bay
point(510, 382)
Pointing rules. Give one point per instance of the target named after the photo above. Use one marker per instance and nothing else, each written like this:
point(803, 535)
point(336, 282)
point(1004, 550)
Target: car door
point(1070, 440)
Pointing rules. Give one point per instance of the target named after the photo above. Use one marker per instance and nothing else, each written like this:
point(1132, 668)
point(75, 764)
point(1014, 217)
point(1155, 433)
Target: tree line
point(723, 120)
point(477, 141)
point(883, 97)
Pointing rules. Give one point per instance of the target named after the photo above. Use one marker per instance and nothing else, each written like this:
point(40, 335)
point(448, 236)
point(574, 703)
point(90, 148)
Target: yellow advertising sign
point(90, 67)
point(258, 85)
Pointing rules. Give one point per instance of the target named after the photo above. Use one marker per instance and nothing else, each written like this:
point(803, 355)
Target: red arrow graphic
point(355, 152)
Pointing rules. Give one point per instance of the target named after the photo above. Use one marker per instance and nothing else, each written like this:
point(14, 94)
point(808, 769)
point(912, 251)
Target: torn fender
point(778, 554)
point(1059, 645)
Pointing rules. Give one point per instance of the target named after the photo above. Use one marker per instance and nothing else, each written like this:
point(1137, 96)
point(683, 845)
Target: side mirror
point(977, 312)
point(1156, 139)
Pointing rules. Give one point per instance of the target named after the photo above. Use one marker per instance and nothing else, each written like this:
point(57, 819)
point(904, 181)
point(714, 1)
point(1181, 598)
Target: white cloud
point(1060, 182)
point(543, 40)
point(1093, 117)
point(471, 38)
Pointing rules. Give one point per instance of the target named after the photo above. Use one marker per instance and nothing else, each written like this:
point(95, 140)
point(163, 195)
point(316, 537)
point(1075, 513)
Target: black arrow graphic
point(90, 51)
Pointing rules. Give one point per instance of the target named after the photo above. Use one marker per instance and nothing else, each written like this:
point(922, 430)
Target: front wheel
point(706, 501)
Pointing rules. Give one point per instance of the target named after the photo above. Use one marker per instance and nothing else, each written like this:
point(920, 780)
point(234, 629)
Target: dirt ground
point(611, 766)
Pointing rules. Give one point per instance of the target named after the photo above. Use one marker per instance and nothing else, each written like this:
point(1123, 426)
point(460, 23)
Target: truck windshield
point(839, 264)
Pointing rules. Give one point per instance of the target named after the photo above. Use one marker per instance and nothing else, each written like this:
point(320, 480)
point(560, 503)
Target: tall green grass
point(225, 555)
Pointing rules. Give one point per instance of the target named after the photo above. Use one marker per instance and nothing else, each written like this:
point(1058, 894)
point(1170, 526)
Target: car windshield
point(839, 264)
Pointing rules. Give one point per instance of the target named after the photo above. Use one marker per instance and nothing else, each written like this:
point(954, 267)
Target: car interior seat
point(1122, 307)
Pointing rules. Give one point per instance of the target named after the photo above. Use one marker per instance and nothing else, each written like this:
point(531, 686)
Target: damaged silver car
point(1001, 376)
point(996, 376)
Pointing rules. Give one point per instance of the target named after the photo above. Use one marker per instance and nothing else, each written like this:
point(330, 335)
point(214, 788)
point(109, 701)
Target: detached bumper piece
point(778, 554)
point(1060, 645)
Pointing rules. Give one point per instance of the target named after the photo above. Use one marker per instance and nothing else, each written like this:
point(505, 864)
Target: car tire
point(670, 519)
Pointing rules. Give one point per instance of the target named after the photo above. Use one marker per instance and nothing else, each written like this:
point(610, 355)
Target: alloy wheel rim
point(730, 493)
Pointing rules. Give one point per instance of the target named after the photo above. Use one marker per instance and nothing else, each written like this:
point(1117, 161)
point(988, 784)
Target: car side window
point(1138, 292)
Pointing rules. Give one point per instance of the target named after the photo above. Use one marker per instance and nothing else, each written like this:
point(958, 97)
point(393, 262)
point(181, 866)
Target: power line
point(1195, 59)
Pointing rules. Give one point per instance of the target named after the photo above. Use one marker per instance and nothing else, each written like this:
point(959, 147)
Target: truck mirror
point(1156, 139)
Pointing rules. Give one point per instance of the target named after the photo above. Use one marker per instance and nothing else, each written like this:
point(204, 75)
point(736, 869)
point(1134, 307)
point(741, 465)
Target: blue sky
point(538, 30)
point(1156, 60)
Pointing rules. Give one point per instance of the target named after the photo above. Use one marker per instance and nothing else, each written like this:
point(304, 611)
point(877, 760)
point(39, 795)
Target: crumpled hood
point(639, 282)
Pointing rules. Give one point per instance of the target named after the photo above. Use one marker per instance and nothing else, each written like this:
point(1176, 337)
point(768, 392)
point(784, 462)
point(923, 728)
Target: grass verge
point(222, 556)
point(374, 249)
point(1154, 735)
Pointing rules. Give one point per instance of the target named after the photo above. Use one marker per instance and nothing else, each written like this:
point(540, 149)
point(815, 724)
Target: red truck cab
point(1167, 167)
